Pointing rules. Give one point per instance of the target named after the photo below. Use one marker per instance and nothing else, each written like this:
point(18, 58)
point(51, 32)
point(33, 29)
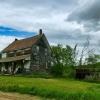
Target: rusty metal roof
point(16, 58)
point(21, 44)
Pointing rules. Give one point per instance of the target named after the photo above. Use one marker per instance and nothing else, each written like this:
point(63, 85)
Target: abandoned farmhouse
point(26, 55)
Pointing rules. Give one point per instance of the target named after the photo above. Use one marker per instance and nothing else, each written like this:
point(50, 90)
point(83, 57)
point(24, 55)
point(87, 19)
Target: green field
point(60, 89)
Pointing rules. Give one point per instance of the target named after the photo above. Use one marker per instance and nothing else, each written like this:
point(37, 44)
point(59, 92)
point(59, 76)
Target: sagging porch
point(15, 65)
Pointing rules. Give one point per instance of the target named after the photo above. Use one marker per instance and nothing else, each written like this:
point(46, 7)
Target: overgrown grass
point(36, 75)
point(60, 89)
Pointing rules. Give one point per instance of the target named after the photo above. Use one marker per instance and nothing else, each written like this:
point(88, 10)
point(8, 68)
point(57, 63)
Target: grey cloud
point(87, 14)
point(49, 15)
point(38, 3)
point(67, 37)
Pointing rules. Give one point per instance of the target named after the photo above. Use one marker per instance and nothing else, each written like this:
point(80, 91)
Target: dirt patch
point(17, 96)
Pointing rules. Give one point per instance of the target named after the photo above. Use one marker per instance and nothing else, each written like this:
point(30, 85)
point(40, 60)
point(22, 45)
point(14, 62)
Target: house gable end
point(44, 42)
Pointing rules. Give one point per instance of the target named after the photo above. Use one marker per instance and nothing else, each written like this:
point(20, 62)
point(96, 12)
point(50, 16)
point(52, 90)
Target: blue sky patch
point(13, 32)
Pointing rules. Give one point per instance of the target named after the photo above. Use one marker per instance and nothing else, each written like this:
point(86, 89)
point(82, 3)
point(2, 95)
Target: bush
point(57, 70)
point(69, 71)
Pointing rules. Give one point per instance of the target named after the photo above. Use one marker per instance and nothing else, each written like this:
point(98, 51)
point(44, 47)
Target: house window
point(10, 54)
point(19, 52)
point(4, 55)
point(37, 48)
point(45, 52)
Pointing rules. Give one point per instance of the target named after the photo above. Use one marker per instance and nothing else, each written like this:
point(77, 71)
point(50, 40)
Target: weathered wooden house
point(26, 55)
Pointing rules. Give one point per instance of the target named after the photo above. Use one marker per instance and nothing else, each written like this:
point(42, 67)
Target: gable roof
point(21, 44)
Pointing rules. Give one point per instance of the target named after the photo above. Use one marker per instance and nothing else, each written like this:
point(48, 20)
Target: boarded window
point(10, 54)
point(20, 52)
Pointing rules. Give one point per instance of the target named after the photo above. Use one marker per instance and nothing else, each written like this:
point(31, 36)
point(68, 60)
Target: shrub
point(69, 71)
point(57, 70)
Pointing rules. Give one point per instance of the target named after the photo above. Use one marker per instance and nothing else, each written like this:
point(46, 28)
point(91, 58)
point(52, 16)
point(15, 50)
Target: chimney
point(16, 39)
point(40, 32)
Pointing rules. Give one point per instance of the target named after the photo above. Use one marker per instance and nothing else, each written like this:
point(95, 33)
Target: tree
point(68, 56)
point(86, 50)
point(57, 53)
point(57, 68)
point(92, 59)
point(63, 57)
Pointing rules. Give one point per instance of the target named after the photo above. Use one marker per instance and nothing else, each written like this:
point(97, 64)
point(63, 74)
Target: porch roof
point(16, 58)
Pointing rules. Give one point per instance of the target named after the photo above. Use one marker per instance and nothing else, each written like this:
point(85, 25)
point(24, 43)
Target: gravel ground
point(16, 96)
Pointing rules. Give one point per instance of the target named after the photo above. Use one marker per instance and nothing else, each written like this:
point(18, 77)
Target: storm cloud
point(88, 14)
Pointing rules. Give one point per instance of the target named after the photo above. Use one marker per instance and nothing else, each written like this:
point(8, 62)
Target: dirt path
point(16, 96)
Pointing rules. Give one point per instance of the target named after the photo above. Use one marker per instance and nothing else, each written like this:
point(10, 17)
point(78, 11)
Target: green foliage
point(69, 72)
point(63, 59)
point(57, 70)
point(63, 55)
point(59, 89)
point(92, 59)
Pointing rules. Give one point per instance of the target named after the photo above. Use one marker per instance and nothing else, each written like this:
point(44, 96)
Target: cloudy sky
point(62, 21)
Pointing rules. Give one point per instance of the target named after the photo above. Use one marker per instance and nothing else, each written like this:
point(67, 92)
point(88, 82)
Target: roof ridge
point(28, 38)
